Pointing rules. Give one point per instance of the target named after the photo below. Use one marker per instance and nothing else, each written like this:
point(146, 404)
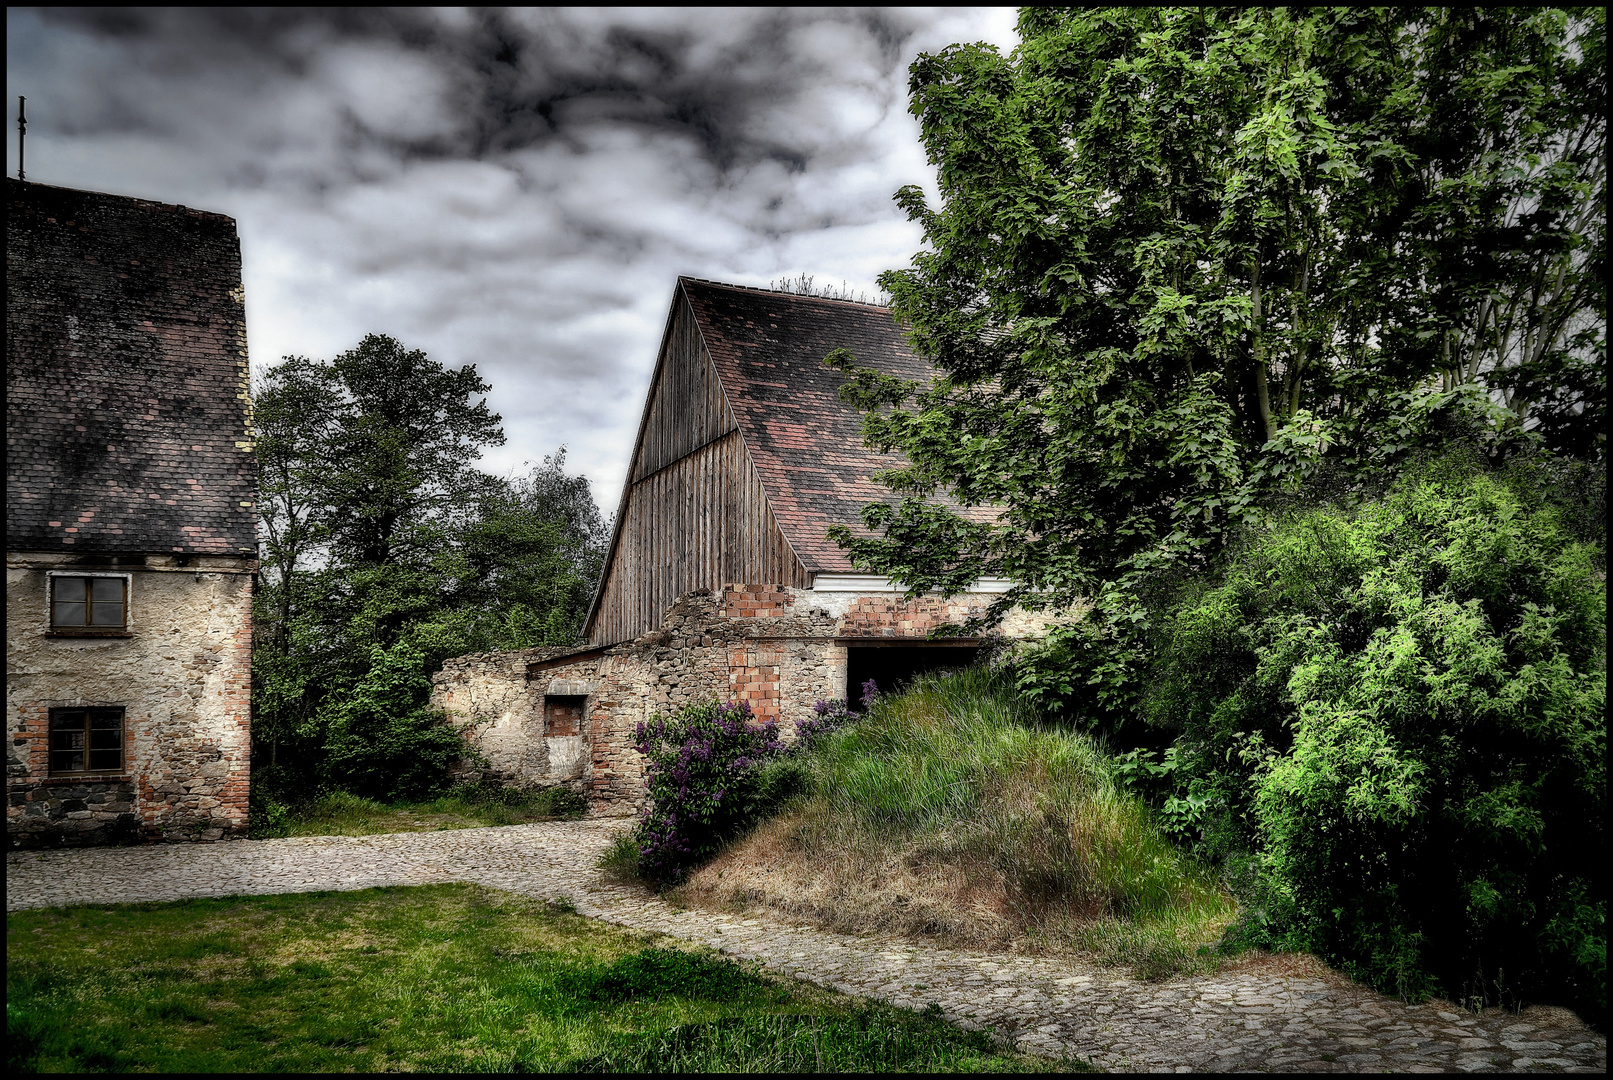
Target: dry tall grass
point(951, 812)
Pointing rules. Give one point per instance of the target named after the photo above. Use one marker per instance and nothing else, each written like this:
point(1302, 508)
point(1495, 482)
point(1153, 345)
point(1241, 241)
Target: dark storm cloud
point(516, 79)
point(514, 188)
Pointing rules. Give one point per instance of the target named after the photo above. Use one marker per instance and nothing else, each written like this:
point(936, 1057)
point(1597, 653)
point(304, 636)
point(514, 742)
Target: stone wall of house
point(779, 649)
point(182, 674)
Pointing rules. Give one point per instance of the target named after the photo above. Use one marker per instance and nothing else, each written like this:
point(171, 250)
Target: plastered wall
point(183, 678)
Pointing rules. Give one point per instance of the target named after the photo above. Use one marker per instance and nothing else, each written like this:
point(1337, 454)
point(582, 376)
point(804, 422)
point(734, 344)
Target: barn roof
point(768, 349)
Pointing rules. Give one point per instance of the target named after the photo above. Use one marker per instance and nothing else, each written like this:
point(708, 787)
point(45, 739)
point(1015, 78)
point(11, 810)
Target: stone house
point(130, 521)
point(720, 581)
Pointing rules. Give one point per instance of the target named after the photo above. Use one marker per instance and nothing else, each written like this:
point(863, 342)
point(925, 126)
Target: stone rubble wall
point(183, 676)
point(771, 646)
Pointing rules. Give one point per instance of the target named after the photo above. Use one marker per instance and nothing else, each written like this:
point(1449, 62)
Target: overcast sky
point(513, 189)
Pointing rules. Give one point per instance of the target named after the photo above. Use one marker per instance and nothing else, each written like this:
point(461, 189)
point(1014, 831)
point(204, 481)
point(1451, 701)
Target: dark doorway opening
point(892, 667)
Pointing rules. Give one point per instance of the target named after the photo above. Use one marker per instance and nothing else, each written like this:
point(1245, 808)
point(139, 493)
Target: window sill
point(87, 778)
point(86, 632)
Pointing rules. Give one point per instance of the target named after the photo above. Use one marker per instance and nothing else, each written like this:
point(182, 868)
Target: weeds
point(468, 806)
point(953, 811)
point(865, 1041)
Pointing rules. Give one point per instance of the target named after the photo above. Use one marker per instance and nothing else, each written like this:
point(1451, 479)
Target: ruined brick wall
point(501, 717)
point(779, 649)
point(182, 675)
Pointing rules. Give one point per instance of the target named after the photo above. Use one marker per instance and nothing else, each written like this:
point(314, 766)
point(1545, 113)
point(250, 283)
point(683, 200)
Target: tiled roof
point(128, 421)
point(768, 348)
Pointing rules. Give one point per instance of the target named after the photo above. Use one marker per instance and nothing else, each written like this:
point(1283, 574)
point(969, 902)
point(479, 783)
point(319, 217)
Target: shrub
point(380, 740)
point(267, 816)
point(1398, 709)
point(827, 718)
point(707, 780)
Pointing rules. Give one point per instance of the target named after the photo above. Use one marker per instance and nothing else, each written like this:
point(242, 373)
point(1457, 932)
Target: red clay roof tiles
point(768, 348)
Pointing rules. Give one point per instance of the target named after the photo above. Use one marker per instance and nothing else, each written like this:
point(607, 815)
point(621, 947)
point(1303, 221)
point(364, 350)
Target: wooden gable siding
point(695, 514)
point(687, 408)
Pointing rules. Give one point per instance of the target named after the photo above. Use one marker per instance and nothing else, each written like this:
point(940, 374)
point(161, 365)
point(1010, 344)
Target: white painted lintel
point(873, 583)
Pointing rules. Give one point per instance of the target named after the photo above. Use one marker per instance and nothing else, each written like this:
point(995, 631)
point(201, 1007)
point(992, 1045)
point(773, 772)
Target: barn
point(720, 579)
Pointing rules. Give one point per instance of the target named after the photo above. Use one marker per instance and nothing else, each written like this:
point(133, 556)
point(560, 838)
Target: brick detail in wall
point(891, 616)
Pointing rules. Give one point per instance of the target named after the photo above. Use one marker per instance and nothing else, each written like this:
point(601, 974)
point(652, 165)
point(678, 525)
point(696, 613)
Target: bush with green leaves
point(379, 740)
point(1397, 712)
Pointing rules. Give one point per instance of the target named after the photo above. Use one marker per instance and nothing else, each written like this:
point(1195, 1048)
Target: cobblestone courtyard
point(1273, 1015)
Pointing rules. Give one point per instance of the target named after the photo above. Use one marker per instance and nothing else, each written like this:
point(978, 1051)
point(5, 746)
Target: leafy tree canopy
point(387, 552)
point(1183, 257)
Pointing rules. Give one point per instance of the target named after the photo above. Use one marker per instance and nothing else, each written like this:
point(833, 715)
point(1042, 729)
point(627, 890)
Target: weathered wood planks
point(695, 515)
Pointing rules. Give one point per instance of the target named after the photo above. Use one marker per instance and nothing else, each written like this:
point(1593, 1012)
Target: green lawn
point(433, 978)
point(465, 807)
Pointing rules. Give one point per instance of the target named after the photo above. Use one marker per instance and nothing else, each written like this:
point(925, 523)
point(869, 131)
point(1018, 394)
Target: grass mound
point(951, 811)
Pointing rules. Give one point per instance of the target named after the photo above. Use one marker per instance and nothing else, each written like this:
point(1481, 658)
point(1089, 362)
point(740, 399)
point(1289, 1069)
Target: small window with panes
point(89, 605)
point(86, 741)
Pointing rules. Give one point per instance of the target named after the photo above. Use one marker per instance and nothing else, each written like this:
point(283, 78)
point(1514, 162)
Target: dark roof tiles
point(128, 421)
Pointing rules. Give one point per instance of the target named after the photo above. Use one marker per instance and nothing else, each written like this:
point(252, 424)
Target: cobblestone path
point(1262, 1017)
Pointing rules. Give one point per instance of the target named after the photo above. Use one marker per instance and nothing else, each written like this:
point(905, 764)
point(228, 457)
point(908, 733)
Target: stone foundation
point(73, 813)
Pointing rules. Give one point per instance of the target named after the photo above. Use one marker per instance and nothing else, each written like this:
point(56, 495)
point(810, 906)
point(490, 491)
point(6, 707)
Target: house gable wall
point(130, 455)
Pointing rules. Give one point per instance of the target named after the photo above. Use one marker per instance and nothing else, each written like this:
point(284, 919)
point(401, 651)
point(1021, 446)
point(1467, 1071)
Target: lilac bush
point(713, 773)
point(827, 717)
point(702, 781)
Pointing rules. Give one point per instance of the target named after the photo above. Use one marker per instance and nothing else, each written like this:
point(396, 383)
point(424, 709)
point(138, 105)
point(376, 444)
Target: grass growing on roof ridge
point(952, 811)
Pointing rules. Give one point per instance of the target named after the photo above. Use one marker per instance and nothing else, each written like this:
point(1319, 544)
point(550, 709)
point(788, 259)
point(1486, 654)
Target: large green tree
point(1183, 258)
point(386, 551)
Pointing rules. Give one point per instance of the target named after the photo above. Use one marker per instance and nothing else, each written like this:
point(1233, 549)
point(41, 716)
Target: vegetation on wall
point(385, 552)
